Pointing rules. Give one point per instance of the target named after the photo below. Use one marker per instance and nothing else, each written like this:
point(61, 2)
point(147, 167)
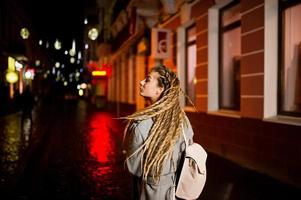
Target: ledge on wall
point(281, 119)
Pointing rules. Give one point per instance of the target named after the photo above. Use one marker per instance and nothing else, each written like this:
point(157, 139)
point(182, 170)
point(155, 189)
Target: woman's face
point(149, 87)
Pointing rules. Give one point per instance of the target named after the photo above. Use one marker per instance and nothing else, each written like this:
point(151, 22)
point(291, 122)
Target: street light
point(93, 33)
point(24, 33)
point(11, 77)
point(57, 64)
point(37, 62)
point(72, 60)
point(57, 44)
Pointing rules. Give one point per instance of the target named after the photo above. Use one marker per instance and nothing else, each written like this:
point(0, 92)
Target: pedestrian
point(17, 99)
point(27, 104)
point(154, 140)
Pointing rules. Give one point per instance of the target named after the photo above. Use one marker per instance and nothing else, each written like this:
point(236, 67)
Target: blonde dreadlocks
point(167, 118)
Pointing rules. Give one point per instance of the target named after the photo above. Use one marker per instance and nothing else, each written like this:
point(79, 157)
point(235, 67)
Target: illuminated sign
point(99, 73)
point(11, 64)
point(161, 43)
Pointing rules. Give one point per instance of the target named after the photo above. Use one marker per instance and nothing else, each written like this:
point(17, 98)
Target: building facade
point(239, 63)
point(13, 49)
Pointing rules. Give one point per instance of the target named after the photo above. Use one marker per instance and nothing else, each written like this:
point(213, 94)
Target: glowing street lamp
point(29, 74)
point(57, 64)
point(24, 33)
point(57, 44)
point(37, 62)
point(72, 51)
point(72, 60)
point(93, 34)
point(11, 77)
point(80, 92)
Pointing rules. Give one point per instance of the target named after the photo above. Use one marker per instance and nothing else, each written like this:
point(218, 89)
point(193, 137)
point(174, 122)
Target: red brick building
point(238, 61)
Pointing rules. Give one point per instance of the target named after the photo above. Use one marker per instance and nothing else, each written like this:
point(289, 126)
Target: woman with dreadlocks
point(153, 136)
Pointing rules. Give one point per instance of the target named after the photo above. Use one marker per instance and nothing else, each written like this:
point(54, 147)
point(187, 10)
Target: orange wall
point(271, 148)
point(200, 12)
point(252, 40)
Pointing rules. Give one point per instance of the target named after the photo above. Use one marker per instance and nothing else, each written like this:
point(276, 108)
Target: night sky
point(62, 19)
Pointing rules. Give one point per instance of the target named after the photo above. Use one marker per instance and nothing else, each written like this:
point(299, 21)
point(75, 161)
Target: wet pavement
point(72, 151)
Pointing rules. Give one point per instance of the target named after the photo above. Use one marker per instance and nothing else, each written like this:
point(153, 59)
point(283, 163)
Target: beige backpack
point(192, 177)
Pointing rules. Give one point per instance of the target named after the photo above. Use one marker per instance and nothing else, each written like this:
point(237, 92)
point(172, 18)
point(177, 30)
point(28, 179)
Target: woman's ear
point(159, 90)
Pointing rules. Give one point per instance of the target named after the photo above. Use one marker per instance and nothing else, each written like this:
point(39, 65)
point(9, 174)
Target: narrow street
point(73, 151)
point(234, 67)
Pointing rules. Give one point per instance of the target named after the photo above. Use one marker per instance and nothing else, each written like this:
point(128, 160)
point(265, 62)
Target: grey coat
point(149, 190)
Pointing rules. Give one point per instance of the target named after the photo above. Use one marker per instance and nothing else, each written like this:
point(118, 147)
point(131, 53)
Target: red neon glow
point(92, 65)
point(96, 66)
point(101, 144)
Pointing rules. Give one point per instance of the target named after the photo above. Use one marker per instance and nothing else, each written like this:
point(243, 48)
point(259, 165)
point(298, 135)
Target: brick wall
point(252, 50)
point(270, 148)
point(273, 149)
point(200, 12)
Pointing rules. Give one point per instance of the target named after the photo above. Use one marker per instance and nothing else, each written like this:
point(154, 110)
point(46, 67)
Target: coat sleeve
point(134, 157)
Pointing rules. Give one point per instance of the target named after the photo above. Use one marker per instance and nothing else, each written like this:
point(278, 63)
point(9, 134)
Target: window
point(190, 63)
point(289, 92)
point(229, 62)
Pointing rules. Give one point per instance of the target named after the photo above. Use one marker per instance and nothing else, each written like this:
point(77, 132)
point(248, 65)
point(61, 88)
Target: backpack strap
point(184, 136)
point(186, 144)
point(172, 162)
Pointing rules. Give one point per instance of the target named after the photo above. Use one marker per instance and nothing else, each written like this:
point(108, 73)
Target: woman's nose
point(142, 83)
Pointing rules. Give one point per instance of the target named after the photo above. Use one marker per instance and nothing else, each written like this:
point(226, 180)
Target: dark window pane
point(291, 61)
point(190, 63)
point(229, 71)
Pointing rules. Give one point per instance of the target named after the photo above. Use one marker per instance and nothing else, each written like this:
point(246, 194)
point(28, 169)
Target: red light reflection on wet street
point(101, 145)
point(70, 152)
point(105, 167)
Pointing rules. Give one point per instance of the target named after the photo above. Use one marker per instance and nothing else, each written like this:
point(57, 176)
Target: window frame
point(282, 6)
